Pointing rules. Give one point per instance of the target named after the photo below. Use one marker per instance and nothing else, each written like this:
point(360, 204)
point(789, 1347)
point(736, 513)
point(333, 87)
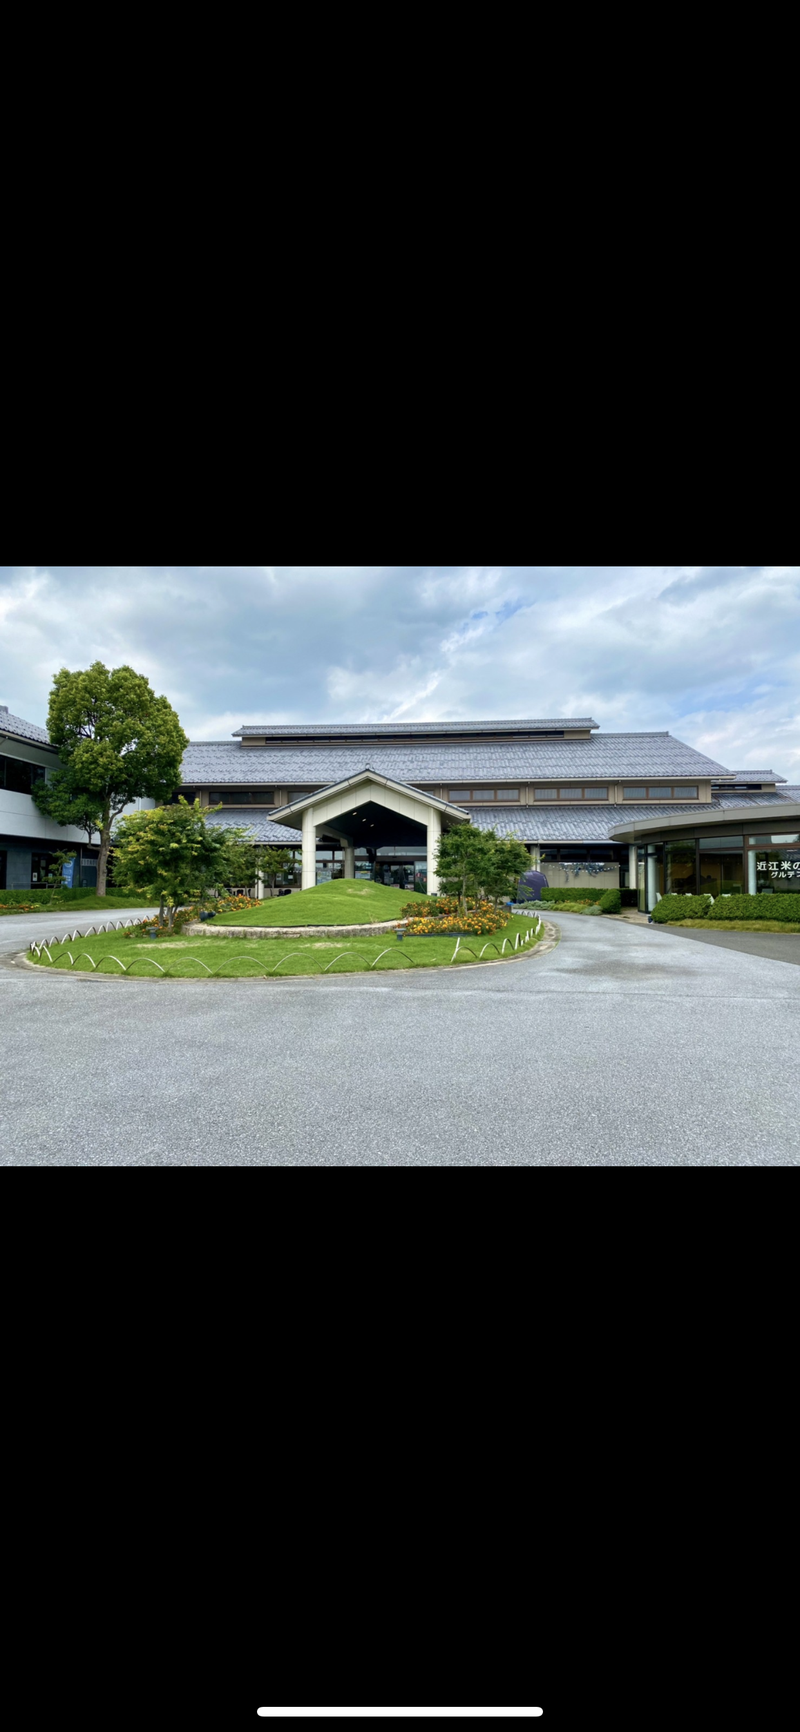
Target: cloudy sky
point(711, 653)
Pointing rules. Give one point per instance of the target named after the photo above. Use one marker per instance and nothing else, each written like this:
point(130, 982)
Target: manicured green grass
point(343, 902)
point(738, 925)
point(86, 904)
point(236, 958)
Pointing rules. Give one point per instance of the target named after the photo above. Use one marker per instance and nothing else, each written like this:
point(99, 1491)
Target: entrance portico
point(371, 811)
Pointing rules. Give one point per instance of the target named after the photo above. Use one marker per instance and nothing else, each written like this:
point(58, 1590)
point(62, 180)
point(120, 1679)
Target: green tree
point(238, 861)
point(506, 864)
point(170, 852)
point(54, 876)
point(271, 862)
point(463, 859)
point(117, 742)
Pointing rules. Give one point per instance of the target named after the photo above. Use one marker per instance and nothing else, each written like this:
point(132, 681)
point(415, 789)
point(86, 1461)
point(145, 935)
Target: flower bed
point(479, 919)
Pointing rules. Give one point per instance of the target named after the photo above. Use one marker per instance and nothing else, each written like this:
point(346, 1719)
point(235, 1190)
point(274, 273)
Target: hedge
point(611, 902)
point(784, 905)
point(40, 893)
point(683, 907)
point(569, 895)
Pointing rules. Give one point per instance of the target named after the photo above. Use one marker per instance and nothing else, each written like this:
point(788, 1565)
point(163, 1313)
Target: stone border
point(549, 942)
point(200, 929)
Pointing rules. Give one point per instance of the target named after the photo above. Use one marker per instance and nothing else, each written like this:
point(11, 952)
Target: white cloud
point(710, 653)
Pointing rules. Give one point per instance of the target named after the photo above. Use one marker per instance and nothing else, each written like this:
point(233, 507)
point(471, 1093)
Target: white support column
point(434, 832)
point(309, 849)
point(260, 886)
point(349, 859)
point(632, 866)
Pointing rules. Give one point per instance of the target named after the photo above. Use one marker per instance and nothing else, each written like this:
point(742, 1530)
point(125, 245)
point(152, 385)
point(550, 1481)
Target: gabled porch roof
point(450, 814)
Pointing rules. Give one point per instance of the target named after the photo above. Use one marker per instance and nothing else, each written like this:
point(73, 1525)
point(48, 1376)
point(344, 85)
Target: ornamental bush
point(611, 902)
point(785, 905)
point(682, 908)
point(572, 893)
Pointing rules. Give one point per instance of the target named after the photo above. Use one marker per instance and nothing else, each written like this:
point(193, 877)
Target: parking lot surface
point(624, 1046)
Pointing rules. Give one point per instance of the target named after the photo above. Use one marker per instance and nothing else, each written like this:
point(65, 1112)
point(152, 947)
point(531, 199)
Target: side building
point(643, 811)
point(28, 840)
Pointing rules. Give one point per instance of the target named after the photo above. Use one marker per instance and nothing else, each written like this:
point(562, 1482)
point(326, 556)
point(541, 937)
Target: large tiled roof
point(580, 824)
point(261, 825)
point(604, 755)
point(22, 730)
point(372, 730)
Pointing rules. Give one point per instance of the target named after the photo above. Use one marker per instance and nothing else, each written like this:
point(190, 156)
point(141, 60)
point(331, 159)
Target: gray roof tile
point(22, 730)
point(604, 755)
point(538, 823)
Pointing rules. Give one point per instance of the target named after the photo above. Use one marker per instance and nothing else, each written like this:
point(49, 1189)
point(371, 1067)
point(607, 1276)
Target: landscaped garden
point(132, 951)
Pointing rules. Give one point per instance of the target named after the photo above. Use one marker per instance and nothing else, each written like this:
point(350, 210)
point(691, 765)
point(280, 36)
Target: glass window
point(685, 793)
point(459, 795)
point(661, 793)
point(680, 862)
point(721, 873)
point(18, 776)
point(777, 869)
point(569, 793)
point(483, 793)
point(544, 793)
point(721, 842)
point(595, 793)
point(785, 837)
point(245, 797)
point(634, 793)
point(508, 793)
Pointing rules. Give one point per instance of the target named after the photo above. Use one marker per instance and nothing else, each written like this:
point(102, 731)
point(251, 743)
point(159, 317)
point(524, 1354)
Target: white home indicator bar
point(400, 1713)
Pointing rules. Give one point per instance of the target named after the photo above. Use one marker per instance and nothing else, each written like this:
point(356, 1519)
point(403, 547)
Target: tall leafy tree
point(507, 861)
point(117, 742)
point(173, 854)
point(271, 861)
point(463, 859)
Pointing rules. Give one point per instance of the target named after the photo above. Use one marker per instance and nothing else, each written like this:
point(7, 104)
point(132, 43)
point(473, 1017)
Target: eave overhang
point(734, 817)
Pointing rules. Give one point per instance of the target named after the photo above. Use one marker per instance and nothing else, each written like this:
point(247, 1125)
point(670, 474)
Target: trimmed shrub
point(611, 902)
point(594, 908)
point(784, 905)
point(572, 893)
point(682, 908)
point(40, 893)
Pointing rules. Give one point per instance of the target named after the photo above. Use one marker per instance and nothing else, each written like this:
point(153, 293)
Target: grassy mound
point(186, 958)
point(343, 902)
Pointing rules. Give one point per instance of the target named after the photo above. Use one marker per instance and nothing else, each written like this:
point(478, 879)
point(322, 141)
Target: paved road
point(779, 946)
point(625, 1046)
point(17, 930)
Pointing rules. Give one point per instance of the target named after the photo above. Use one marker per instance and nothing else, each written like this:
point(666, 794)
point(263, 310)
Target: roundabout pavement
point(623, 1046)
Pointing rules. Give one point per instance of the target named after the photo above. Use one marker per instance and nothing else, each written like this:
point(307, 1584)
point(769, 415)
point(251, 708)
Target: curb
point(549, 942)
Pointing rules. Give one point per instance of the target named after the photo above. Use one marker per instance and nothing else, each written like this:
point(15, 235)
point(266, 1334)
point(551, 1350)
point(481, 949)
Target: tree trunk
point(102, 863)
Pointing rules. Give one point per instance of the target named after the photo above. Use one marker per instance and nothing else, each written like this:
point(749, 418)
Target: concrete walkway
point(624, 1046)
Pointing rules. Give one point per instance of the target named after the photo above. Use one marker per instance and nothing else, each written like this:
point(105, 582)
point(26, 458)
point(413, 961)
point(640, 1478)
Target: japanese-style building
point(370, 799)
point(640, 810)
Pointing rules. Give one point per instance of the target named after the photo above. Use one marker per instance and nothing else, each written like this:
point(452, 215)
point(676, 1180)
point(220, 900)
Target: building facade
point(27, 839)
point(642, 810)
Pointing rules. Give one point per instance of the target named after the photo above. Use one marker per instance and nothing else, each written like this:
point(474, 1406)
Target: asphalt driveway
point(778, 946)
point(624, 1046)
